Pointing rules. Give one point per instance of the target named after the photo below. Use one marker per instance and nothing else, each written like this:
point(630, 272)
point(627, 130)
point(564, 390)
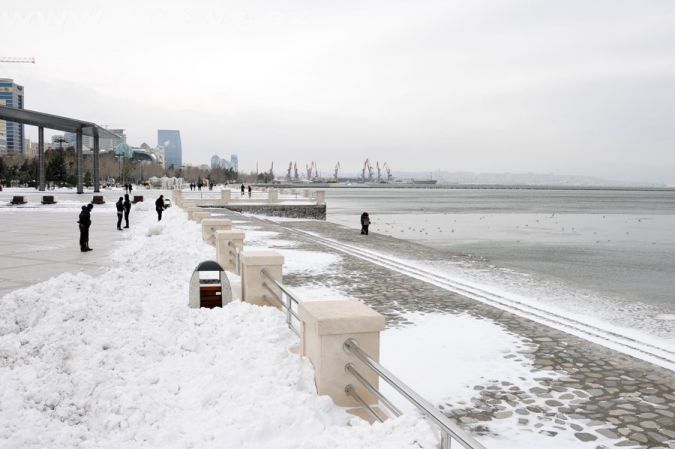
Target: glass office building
point(11, 95)
point(169, 139)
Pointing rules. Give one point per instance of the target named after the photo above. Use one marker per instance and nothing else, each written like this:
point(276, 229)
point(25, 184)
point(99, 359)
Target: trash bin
point(209, 286)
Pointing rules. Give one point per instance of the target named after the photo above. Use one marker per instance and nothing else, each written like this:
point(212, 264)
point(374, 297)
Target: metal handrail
point(288, 304)
point(447, 427)
point(351, 370)
point(350, 391)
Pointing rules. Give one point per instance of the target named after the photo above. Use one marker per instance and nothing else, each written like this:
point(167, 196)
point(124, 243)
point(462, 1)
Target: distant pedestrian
point(84, 223)
point(200, 184)
point(243, 189)
point(130, 189)
point(365, 222)
point(120, 211)
point(159, 207)
point(249, 191)
point(127, 209)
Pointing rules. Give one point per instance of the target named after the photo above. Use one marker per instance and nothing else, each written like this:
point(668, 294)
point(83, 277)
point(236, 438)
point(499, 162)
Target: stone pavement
point(595, 391)
point(40, 242)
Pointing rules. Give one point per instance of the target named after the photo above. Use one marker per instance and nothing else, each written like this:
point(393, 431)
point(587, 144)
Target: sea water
point(607, 253)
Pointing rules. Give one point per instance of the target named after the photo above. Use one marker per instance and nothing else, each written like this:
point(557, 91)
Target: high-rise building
point(234, 162)
point(169, 139)
point(11, 95)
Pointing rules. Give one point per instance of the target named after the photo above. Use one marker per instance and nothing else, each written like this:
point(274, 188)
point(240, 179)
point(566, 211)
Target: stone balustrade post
point(325, 327)
point(225, 195)
point(199, 216)
point(191, 210)
point(226, 255)
point(273, 196)
point(320, 197)
point(211, 225)
point(252, 280)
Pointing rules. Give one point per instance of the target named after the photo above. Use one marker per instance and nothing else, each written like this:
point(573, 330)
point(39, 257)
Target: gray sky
point(573, 87)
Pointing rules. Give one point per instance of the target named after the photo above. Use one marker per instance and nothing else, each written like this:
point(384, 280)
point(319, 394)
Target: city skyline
point(469, 86)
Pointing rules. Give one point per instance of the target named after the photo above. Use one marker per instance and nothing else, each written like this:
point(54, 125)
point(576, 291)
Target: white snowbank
point(120, 361)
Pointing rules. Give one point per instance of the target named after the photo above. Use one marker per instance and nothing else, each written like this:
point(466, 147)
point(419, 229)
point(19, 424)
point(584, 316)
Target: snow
point(441, 358)
point(120, 361)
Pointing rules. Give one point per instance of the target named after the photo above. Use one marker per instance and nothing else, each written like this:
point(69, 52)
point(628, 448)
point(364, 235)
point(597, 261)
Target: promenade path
point(615, 396)
point(40, 242)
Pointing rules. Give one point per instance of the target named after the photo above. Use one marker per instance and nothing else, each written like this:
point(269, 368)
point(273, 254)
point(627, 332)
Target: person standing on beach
point(159, 207)
point(127, 209)
point(365, 222)
point(119, 205)
point(84, 223)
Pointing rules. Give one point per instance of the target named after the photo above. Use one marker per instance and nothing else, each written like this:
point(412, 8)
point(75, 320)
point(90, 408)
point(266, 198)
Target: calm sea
point(615, 248)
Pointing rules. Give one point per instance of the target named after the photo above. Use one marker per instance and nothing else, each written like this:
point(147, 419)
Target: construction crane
point(367, 166)
point(17, 60)
point(379, 171)
point(312, 171)
point(388, 170)
point(336, 171)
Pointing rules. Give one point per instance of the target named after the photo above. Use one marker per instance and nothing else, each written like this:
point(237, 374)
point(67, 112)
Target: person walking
point(243, 189)
point(120, 211)
point(159, 207)
point(249, 191)
point(127, 209)
point(84, 223)
point(365, 222)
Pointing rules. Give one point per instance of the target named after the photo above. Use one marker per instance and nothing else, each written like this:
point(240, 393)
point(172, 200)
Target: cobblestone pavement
point(595, 392)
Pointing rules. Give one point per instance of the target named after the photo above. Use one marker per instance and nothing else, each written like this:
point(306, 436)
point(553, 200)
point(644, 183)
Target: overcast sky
point(570, 87)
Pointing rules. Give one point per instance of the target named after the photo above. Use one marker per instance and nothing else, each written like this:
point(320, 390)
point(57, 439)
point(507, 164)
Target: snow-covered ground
point(120, 361)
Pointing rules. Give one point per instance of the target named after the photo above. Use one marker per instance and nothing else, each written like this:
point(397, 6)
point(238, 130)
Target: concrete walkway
point(39, 242)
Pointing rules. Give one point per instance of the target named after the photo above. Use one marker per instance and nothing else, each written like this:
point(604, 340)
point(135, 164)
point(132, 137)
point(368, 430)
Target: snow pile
point(120, 361)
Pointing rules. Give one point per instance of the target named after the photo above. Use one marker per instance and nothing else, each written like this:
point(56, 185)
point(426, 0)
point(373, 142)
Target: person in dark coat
point(84, 223)
point(365, 222)
point(127, 209)
point(249, 191)
point(120, 210)
point(159, 207)
point(243, 189)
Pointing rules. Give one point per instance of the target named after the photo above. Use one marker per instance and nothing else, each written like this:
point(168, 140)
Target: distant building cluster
point(167, 152)
point(218, 162)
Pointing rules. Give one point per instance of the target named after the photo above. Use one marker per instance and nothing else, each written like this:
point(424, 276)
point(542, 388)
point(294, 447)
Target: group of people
point(243, 190)
point(197, 186)
point(127, 188)
point(123, 207)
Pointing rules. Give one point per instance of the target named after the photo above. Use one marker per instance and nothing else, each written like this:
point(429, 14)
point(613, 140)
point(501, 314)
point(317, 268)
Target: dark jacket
point(127, 204)
point(85, 218)
point(159, 204)
point(120, 206)
point(365, 219)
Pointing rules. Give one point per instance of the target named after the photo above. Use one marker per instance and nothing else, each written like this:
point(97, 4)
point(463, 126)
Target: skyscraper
point(11, 95)
point(169, 139)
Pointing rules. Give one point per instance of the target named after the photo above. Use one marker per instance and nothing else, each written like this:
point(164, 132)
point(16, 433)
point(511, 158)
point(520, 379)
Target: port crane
point(379, 171)
point(17, 60)
point(367, 166)
point(388, 171)
point(312, 171)
point(288, 172)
